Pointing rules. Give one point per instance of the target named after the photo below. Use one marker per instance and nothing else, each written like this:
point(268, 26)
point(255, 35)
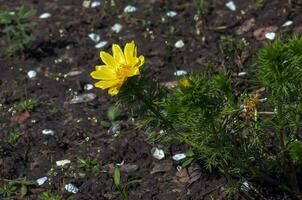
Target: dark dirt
point(78, 130)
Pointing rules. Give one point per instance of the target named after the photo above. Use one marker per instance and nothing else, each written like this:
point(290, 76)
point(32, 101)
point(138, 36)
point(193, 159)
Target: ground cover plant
point(150, 99)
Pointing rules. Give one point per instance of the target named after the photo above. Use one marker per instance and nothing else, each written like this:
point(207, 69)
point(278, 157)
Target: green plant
point(16, 187)
point(17, 28)
point(89, 164)
point(201, 7)
point(49, 196)
point(26, 105)
point(122, 188)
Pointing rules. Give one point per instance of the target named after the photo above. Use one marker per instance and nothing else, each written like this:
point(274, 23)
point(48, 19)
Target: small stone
point(94, 37)
point(95, 4)
point(41, 181)
point(242, 73)
point(101, 44)
point(86, 3)
point(231, 5)
point(129, 9)
point(246, 186)
point(32, 74)
point(88, 87)
point(45, 15)
point(163, 166)
point(61, 163)
point(270, 35)
point(180, 72)
point(115, 128)
point(288, 23)
point(73, 73)
point(83, 98)
point(171, 14)
point(71, 188)
point(179, 44)
point(116, 28)
point(48, 132)
point(246, 26)
point(157, 153)
point(128, 168)
point(179, 156)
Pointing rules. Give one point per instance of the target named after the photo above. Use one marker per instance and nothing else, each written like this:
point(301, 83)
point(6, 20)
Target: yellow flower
point(185, 83)
point(117, 68)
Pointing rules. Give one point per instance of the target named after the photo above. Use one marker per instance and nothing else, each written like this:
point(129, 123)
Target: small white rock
point(83, 98)
point(263, 100)
point(71, 188)
point(88, 87)
point(288, 23)
point(179, 44)
point(95, 4)
point(179, 156)
point(231, 5)
point(129, 9)
point(180, 72)
point(246, 186)
point(32, 74)
point(94, 37)
point(116, 28)
point(48, 132)
point(270, 35)
point(45, 15)
point(157, 153)
point(115, 128)
point(101, 44)
point(41, 181)
point(61, 163)
point(171, 14)
point(242, 73)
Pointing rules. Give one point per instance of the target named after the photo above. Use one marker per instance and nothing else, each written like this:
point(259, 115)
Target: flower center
point(123, 72)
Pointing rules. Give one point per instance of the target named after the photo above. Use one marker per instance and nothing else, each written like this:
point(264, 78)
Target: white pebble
point(94, 37)
point(61, 163)
point(171, 14)
point(231, 5)
point(270, 35)
point(129, 9)
point(41, 181)
point(32, 74)
point(95, 4)
point(242, 73)
point(288, 23)
point(157, 153)
point(101, 44)
point(246, 186)
point(116, 28)
point(180, 72)
point(179, 156)
point(179, 44)
point(88, 87)
point(45, 15)
point(48, 132)
point(71, 188)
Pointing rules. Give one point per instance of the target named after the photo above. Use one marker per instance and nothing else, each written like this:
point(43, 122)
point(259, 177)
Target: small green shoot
point(49, 196)
point(16, 187)
point(122, 188)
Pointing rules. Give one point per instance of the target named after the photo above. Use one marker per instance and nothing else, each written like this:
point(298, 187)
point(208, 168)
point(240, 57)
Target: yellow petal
point(106, 84)
point(118, 54)
point(129, 53)
point(113, 91)
point(108, 60)
point(134, 71)
point(99, 67)
point(142, 61)
point(104, 73)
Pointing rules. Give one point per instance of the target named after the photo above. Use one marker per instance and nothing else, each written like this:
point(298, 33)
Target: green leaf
point(23, 190)
point(187, 162)
point(112, 113)
point(117, 176)
point(189, 153)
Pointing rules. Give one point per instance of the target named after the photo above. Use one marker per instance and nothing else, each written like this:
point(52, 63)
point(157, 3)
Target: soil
point(62, 46)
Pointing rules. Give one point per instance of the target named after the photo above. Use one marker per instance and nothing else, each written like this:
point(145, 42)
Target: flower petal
point(142, 60)
point(114, 91)
point(108, 60)
point(99, 67)
point(118, 54)
point(106, 84)
point(104, 73)
point(129, 53)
